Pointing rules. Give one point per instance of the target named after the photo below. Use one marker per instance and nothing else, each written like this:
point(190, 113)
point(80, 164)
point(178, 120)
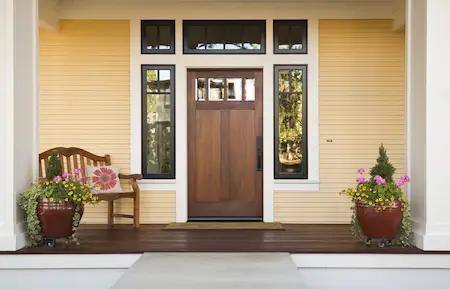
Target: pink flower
point(77, 171)
point(105, 177)
point(400, 183)
point(376, 177)
point(405, 179)
point(361, 170)
point(65, 175)
point(57, 179)
point(79, 179)
point(380, 181)
point(360, 180)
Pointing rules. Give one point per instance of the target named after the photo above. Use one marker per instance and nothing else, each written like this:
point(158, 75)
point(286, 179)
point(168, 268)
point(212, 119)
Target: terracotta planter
point(56, 219)
point(382, 224)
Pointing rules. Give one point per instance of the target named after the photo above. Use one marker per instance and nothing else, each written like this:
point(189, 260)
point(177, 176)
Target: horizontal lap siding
point(362, 104)
point(84, 101)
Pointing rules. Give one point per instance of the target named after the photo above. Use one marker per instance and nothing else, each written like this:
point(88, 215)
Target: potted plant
point(54, 206)
point(380, 209)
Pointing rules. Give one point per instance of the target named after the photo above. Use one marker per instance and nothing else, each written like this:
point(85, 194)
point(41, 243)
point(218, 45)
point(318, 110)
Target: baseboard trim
point(10, 243)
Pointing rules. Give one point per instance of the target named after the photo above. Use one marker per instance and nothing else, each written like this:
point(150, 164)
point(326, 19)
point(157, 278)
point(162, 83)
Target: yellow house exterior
point(85, 101)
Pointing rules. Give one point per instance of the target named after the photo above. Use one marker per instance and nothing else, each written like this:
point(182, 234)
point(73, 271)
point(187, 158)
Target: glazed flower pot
point(56, 219)
point(377, 224)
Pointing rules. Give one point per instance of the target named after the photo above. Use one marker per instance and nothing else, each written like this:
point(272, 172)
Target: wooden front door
point(225, 144)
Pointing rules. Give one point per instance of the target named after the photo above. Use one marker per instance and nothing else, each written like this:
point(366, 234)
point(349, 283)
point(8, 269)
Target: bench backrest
point(72, 158)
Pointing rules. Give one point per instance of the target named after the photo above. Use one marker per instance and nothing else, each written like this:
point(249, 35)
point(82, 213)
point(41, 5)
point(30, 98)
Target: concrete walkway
point(212, 271)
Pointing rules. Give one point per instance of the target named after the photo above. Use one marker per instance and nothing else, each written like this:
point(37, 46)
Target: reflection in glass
point(252, 37)
point(283, 36)
point(151, 40)
point(152, 80)
point(297, 37)
point(233, 37)
point(164, 37)
point(215, 37)
point(216, 89)
point(234, 88)
point(250, 89)
point(296, 80)
point(158, 134)
point(290, 131)
point(200, 92)
point(283, 81)
point(196, 37)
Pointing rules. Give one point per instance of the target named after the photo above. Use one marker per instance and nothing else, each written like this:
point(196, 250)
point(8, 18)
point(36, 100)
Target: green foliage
point(72, 188)
point(54, 166)
point(383, 168)
point(28, 202)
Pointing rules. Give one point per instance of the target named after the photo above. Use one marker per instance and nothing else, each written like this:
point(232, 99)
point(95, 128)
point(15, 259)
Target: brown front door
point(225, 144)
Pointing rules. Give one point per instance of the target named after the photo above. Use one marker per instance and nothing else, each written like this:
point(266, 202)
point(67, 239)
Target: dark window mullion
point(290, 37)
point(158, 36)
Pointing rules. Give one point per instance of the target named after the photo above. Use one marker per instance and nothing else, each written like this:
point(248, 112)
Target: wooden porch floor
point(99, 239)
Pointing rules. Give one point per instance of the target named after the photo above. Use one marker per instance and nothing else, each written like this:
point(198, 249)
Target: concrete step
point(212, 271)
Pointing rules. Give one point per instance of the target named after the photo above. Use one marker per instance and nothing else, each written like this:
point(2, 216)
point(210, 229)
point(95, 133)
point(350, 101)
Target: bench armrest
point(129, 177)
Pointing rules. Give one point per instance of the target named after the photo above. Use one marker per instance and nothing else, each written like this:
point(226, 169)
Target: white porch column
point(18, 113)
point(428, 58)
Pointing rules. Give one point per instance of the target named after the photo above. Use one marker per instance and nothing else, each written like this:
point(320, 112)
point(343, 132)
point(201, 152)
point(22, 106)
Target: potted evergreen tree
point(380, 209)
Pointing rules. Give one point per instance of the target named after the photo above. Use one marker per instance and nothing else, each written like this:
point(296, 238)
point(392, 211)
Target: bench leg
point(110, 213)
point(136, 211)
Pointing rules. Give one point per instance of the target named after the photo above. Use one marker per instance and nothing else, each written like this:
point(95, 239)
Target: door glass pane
point(252, 37)
point(283, 81)
point(215, 37)
point(152, 80)
point(283, 36)
point(164, 37)
point(233, 37)
point(164, 80)
point(290, 132)
point(296, 80)
point(234, 88)
point(150, 40)
point(196, 37)
point(250, 89)
point(297, 37)
point(200, 92)
point(216, 89)
point(158, 134)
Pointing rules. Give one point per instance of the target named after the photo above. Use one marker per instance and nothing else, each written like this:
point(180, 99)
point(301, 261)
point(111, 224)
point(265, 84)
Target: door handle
point(259, 157)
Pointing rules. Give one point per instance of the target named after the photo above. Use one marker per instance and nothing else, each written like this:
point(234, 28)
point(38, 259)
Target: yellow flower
point(371, 203)
point(52, 199)
point(357, 194)
point(64, 182)
point(386, 200)
point(364, 188)
point(74, 197)
point(391, 204)
point(359, 198)
point(379, 209)
point(84, 202)
point(60, 201)
point(82, 187)
point(70, 193)
point(47, 183)
point(66, 199)
point(66, 186)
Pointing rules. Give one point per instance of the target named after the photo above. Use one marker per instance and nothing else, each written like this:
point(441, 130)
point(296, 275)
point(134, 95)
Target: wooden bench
point(72, 158)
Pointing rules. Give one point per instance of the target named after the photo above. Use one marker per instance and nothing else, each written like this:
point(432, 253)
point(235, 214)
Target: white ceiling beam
point(398, 15)
point(48, 15)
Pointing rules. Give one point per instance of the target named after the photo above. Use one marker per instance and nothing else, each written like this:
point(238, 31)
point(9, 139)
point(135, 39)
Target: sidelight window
point(291, 150)
point(158, 122)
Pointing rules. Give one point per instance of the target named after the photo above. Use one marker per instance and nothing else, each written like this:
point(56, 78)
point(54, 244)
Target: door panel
point(224, 121)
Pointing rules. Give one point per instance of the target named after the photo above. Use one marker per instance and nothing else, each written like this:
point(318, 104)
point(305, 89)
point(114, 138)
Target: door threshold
point(225, 219)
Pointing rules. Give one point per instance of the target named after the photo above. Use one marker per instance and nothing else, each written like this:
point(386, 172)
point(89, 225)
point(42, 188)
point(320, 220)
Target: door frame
point(259, 71)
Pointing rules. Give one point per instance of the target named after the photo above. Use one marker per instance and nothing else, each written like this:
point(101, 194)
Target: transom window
point(157, 36)
point(225, 89)
point(158, 122)
point(291, 150)
point(290, 36)
point(224, 36)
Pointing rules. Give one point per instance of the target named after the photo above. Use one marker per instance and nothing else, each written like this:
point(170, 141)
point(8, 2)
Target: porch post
point(18, 114)
point(428, 93)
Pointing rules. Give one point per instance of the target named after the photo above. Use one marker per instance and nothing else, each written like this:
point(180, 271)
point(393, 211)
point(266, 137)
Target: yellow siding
point(84, 101)
point(362, 104)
